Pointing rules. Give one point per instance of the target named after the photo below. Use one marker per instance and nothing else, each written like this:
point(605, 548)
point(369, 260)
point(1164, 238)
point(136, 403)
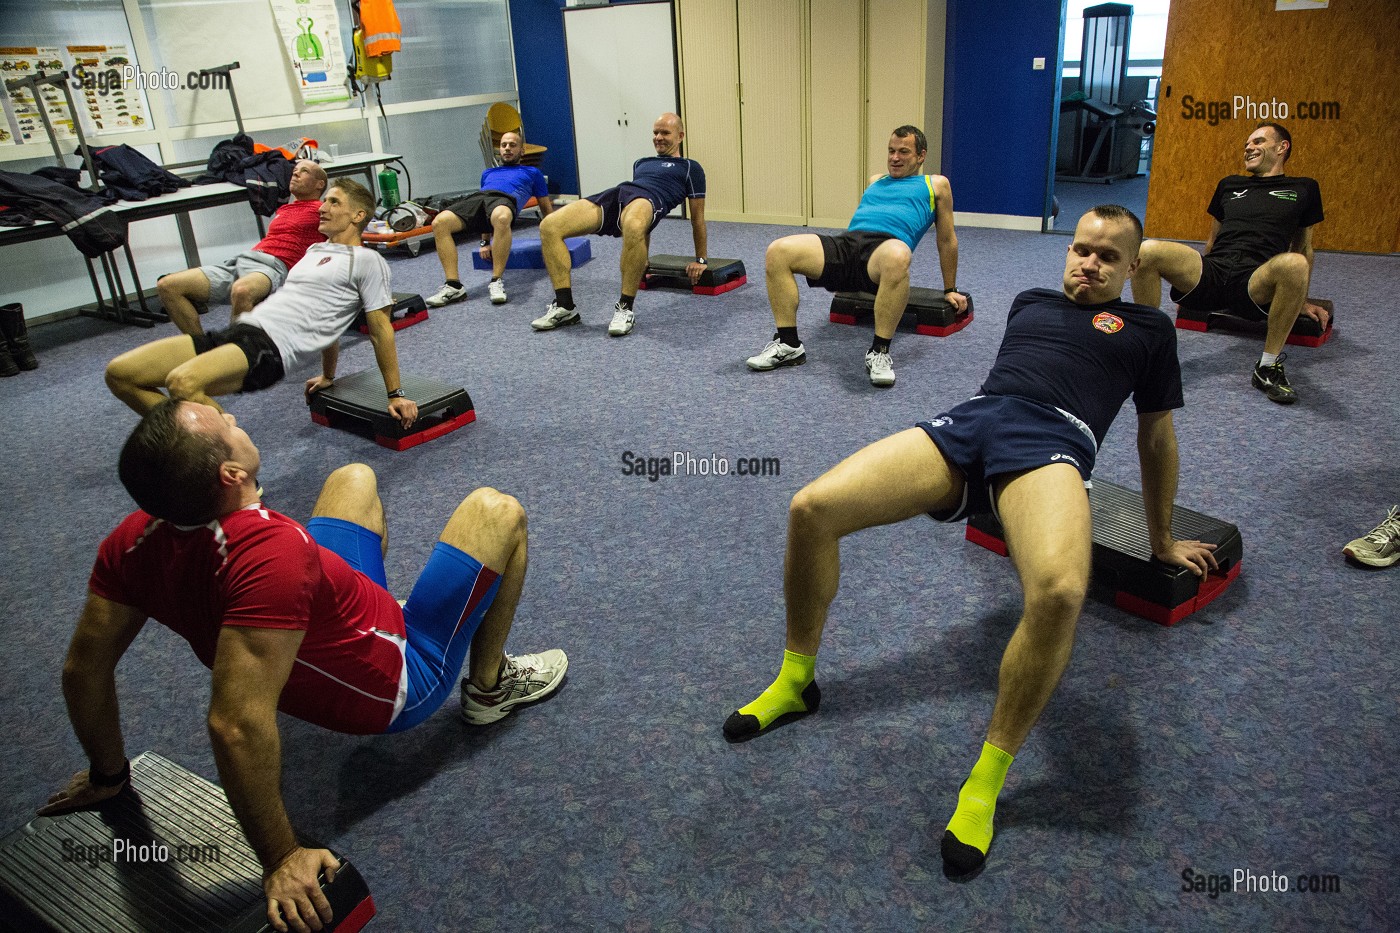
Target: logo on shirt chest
point(324, 261)
point(1108, 323)
point(1236, 195)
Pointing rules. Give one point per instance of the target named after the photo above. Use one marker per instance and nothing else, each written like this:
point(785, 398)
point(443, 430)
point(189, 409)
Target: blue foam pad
point(525, 254)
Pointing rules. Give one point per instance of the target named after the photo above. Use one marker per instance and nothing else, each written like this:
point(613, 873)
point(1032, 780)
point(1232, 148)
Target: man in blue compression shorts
point(292, 619)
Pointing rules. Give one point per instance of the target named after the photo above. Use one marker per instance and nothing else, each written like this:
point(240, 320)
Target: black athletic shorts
point(475, 209)
point(847, 260)
point(264, 360)
point(1222, 288)
point(614, 200)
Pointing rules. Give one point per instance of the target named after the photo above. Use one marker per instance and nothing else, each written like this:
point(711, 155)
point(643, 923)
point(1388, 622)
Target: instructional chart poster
point(28, 124)
point(311, 37)
point(103, 90)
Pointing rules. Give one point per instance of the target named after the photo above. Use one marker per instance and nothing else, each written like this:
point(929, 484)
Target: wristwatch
point(701, 261)
point(397, 393)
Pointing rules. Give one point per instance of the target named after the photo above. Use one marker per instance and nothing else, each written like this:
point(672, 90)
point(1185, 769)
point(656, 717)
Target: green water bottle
point(389, 188)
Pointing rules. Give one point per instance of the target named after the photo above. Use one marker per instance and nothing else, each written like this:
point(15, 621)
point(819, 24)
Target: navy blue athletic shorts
point(991, 435)
point(614, 200)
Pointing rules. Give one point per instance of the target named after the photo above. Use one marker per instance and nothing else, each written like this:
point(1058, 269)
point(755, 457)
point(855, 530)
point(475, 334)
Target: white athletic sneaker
point(526, 678)
point(880, 367)
point(445, 295)
point(622, 321)
point(555, 316)
point(497, 291)
point(777, 354)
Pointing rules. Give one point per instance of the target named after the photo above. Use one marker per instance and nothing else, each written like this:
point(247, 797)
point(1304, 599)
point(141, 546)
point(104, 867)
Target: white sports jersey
point(322, 296)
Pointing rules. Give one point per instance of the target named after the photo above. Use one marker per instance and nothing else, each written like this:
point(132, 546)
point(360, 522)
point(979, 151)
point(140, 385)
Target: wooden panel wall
point(837, 144)
point(1338, 63)
point(772, 47)
point(709, 43)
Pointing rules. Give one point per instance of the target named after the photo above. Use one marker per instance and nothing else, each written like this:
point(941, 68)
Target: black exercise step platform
point(166, 855)
point(720, 275)
point(1306, 332)
point(1122, 555)
point(933, 315)
point(409, 309)
point(358, 403)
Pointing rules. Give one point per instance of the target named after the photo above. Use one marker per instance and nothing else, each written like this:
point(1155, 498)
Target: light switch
point(1038, 64)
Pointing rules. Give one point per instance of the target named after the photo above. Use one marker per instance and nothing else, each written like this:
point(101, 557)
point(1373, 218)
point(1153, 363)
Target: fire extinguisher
point(389, 188)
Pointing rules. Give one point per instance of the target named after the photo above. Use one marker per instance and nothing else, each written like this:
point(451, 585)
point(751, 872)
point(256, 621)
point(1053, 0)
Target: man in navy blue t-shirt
point(1024, 447)
point(631, 211)
point(506, 189)
point(1259, 256)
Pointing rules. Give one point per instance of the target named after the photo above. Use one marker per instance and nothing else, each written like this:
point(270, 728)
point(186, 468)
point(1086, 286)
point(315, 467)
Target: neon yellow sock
point(969, 833)
point(793, 692)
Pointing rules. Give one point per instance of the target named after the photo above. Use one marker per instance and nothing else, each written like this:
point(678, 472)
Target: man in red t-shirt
point(251, 276)
point(292, 618)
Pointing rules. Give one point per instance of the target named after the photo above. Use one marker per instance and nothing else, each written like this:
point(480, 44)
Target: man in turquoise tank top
point(873, 255)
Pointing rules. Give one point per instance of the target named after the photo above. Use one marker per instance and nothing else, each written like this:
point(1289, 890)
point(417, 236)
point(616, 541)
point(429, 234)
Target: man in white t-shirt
point(321, 298)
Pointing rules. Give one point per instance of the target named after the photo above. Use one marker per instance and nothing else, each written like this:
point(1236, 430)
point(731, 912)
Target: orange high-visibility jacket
point(381, 25)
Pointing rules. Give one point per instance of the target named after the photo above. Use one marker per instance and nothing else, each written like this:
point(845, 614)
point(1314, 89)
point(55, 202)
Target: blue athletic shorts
point(614, 200)
point(991, 435)
point(442, 613)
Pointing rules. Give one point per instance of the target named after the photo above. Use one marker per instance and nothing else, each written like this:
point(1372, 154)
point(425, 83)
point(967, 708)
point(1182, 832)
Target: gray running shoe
point(880, 367)
point(555, 316)
point(777, 354)
point(526, 678)
point(1380, 547)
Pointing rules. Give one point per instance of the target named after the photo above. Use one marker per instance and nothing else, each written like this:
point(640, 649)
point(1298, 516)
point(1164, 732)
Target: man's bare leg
point(1178, 263)
point(636, 227)
point(178, 293)
point(1283, 283)
point(501, 219)
point(892, 479)
point(888, 268)
point(1045, 513)
point(445, 224)
point(221, 371)
point(245, 293)
point(351, 494)
point(576, 218)
point(137, 377)
point(787, 257)
point(491, 527)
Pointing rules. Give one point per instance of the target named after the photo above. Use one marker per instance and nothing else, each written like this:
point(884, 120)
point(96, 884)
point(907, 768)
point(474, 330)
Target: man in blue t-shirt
point(505, 190)
point(1259, 256)
point(631, 211)
point(1025, 447)
point(873, 255)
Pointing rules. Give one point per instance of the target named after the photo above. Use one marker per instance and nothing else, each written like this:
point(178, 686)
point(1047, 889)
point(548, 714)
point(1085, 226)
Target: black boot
point(7, 365)
point(16, 337)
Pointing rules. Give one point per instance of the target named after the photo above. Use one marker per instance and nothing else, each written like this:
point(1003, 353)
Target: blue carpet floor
point(1260, 734)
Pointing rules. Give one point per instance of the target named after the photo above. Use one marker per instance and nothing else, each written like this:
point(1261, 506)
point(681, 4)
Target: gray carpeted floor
point(1257, 735)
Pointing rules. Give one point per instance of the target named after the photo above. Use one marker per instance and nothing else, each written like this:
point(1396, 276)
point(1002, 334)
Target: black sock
point(564, 298)
point(495, 278)
point(454, 283)
point(788, 335)
point(880, 345)
point(625, 302)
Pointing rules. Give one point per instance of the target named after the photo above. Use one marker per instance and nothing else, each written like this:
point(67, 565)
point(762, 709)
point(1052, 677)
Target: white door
point(622, 76)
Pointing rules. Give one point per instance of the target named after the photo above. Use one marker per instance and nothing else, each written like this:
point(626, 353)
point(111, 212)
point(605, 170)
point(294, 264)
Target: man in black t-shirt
point(630, 211)
point(1025, 445)
point(1259, 257)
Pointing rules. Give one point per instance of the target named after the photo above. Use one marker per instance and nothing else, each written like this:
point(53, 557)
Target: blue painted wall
point(997, 111)
point(542, 73)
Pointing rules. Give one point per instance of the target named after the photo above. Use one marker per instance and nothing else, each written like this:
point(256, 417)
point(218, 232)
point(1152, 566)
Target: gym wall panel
point(1334, 71)
point(772, 42)
point(998, 110)
point(836, 143)
point(895, 36)
point(709, 43)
